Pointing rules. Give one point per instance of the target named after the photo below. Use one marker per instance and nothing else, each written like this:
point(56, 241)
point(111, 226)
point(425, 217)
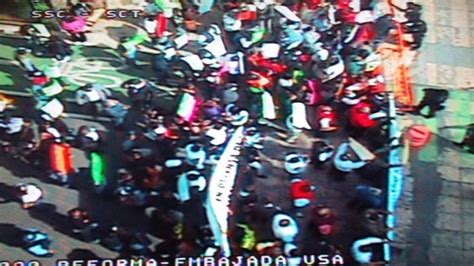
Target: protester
point(324, 220)
point(82, 226)
point(25, 62)
point(434, 99)
point(301, 194)
point(29, 195)
point(362, 250)
point(37, 243)
point(343, 161)
point(92, 97)
point(284, 227)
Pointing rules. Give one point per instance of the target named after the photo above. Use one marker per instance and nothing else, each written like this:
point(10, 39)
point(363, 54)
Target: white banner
point(220, 189)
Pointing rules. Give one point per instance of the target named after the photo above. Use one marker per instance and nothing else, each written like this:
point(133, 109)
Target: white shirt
point(14, 125)
point(92, 95)
point(33, 194)
point(93, 135)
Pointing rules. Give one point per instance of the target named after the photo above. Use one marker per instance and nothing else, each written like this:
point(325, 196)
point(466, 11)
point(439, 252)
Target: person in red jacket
point(326, 119)
point(359, 116)
point(301, 194)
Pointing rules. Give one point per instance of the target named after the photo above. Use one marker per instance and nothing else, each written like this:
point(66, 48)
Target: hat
point(22, 51)
point(295, 163)
point(54, 132)
point(195, 153)
point(167, 33)
point(215, 28)
point(20, 185)
point(38, 74)
point(323, 54)
point(240, 118)
point(47, 117)
point(196, 179)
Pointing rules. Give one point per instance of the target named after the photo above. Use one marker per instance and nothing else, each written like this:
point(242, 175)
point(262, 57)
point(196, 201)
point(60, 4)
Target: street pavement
point(436, 211)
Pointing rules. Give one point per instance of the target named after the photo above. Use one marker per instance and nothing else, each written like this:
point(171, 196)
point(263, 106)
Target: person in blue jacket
point(37, 243)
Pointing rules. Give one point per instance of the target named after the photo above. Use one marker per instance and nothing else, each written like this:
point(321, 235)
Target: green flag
point(98, 169)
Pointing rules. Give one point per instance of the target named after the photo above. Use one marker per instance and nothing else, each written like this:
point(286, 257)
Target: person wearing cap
point(343, 161)
point(38, 80)
point(49, 134)
point(117, 110)
point(296, 163)
point(360, 118)
point(196, 155)
point(131, 195)
point(92, 97)
point(253, 138)
point(301, 192)
point(60, 50)
point(363, 249)
point(113, 239)
point(191, 180)
point(82, 225)
point(326, 120)
point(89, 139)
point(23, 142)
point(34, 40)
point(248, 38)
point(76, 26)
point(434, 99)
point(367, 197)
point(163, 62)
point(10, 127)
point(321, 152)
point(37, 243)
point(140, 92)
point(25, 62)
point(284, 227)
point(133, 140)
point(29, 194)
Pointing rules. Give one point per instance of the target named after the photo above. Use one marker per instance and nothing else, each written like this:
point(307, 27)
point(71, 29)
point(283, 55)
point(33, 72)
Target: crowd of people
point(311, 68)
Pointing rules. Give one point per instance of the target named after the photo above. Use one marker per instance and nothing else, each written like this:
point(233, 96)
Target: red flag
point(61, 158)
point(162, 25)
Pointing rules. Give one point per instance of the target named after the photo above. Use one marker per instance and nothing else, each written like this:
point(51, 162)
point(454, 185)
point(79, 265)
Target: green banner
point(98, 169)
